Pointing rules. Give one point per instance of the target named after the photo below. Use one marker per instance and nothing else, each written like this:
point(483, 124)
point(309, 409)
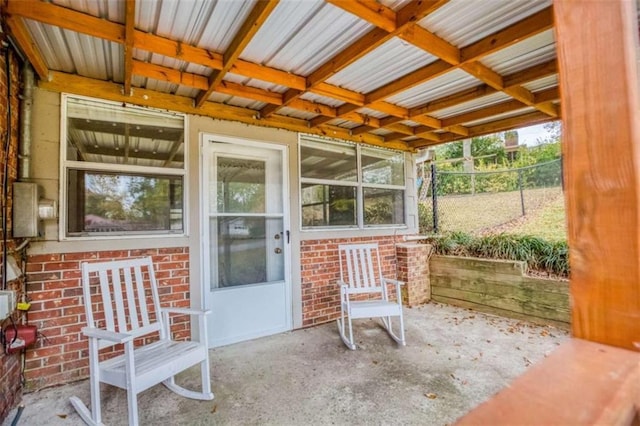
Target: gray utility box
point(26, 220)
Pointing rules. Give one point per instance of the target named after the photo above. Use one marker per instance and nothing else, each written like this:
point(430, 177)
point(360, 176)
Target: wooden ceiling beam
point(257, 17)
point(533, 73)
point(489, 111)
point(429, 139)
point(51, 14)
point(409, 15)
point(129, 27)
point(356, 50)
point(62, 82)
point(248, 92)
point(514, 79)
point(335, 92)
point(552, 94)
point(426, 120)
point(21, 35)
point(415, 11)
point(59, 16)
point(366, 120)
point(371, 11)
point(377, 15)
point(288, 97)
point(528, 119)
point(466, 59)
point(313, 107)
point(176, 49)
point(428, 72)
point(171, 75)
point(362, 129)
point(271, 75)
point(510, 123)
point(431, 43)
point(457, 129)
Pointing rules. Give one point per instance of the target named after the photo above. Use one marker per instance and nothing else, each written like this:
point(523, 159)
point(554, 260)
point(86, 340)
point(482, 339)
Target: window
point(350, 186)
point(123, 169)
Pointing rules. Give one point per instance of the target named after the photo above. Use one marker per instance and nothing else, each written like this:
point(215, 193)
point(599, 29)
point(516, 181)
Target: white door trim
point(205, 140)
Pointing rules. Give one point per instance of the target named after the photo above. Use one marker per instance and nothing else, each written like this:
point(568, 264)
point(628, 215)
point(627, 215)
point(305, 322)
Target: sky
point(530, 135)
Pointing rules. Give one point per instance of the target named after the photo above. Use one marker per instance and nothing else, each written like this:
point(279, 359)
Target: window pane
point(383, 206)
point(104, 203)
point(241, 185)
point(328, 161)
point(102, 132)
point(382, 167)
point(328, 205)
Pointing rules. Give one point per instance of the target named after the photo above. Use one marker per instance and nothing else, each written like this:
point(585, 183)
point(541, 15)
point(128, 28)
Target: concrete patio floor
point(454, 359)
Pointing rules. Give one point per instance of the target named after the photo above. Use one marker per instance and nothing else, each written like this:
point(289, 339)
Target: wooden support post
point(597, 56)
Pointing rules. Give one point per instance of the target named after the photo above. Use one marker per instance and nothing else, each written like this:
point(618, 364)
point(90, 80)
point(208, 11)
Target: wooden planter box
point(499, 287)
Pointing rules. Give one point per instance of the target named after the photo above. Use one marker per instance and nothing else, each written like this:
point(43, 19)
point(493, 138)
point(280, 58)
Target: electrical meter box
point(26, 220)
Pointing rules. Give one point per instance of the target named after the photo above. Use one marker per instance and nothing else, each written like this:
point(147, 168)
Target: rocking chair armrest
point(107, 335)
point(186, 311)
point(390, 281)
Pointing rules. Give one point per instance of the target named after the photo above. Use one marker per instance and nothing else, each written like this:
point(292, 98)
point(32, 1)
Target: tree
point(480, 146)
point(554, 130)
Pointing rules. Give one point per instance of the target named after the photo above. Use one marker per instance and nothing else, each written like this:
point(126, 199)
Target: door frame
point(205, 255)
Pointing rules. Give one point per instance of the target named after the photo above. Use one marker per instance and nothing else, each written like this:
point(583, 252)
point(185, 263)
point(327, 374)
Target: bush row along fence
point(479, 201)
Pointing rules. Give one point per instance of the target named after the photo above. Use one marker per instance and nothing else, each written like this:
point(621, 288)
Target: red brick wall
point(10, 387)
point(57, 310)
point(320, 270)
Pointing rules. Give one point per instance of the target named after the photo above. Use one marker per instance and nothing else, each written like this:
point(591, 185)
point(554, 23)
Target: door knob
point(277, 250)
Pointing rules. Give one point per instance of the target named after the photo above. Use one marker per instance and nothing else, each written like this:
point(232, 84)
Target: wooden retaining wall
point(499, 287)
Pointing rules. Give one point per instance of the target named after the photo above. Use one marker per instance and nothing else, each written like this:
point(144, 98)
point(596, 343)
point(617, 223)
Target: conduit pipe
point(26, 108)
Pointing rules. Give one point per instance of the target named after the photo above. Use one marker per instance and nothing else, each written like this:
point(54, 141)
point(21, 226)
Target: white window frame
point(66, 165)
point(358, 184)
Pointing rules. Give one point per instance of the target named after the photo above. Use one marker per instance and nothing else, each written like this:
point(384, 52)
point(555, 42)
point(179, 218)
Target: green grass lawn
point(501, 212)
point(549, 222)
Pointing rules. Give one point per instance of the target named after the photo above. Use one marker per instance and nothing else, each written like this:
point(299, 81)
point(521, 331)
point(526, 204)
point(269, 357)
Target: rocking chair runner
point(361, 274)
point(128, 295)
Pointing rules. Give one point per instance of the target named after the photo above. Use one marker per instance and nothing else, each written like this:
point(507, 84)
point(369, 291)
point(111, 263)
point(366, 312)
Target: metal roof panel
point(485, 101)
point(502, 116)
point(392, 60)
point(530, 51)
point(542, 84)
point(300, 36)
point(447, 84)
point(462, 22)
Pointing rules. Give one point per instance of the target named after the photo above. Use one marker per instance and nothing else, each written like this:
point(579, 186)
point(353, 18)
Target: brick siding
point(320, 270)
point(10, 386)
point(57, 310)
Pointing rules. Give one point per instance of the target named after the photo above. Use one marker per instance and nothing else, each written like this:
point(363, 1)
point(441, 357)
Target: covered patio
point(331, 100)
point(454, 360)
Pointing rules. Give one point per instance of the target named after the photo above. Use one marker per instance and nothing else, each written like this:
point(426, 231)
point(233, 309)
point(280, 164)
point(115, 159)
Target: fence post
point(521, 191)
point(434, 197)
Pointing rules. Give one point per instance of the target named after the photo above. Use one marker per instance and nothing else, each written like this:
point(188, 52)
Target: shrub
point(539, 254)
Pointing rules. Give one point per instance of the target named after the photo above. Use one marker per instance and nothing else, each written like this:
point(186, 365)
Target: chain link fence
point(481, 202)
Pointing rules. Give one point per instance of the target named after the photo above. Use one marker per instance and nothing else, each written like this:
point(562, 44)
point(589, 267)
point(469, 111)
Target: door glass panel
point(241, 185)
point(246, 240)
point(250, 250)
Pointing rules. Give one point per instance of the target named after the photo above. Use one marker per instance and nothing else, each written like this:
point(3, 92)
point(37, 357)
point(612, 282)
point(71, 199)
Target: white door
point(246, 234)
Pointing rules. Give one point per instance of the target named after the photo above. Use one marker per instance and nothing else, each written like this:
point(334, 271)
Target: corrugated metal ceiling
point(298, 37)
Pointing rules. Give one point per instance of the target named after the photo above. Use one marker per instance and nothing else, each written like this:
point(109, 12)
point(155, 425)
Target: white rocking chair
point(122, 305)
point(361, 274)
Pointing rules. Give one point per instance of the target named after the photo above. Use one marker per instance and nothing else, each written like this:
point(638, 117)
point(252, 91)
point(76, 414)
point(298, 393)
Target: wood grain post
point(597, 56)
